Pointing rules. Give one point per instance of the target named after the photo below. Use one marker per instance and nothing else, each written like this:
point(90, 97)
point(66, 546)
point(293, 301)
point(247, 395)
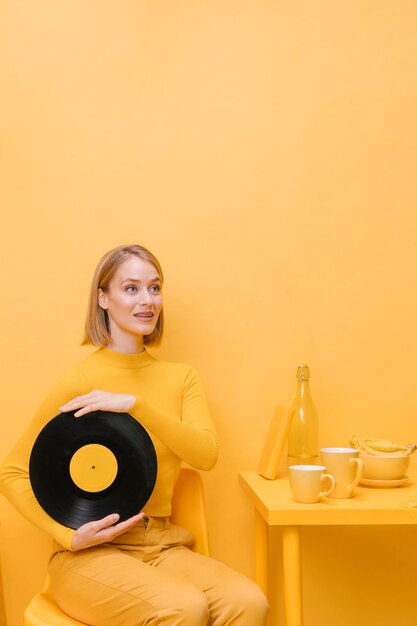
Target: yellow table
point(275, 506)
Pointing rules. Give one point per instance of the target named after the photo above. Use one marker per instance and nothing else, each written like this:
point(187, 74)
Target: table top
point(370, 505)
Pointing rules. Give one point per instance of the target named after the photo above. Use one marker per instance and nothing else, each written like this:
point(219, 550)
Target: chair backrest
point(189, 508)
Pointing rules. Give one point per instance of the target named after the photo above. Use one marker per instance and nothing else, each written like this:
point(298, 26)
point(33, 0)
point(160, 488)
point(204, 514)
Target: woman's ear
point(102, 299)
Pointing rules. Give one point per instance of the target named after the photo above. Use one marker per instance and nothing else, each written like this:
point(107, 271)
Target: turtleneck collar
point(121, 359)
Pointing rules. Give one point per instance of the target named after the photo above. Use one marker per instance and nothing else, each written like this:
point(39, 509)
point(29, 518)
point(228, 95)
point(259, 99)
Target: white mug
point(345, 466)
point(306, 482)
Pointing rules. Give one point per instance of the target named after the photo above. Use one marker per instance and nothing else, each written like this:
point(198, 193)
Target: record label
point(93, 467)
point(82, 469)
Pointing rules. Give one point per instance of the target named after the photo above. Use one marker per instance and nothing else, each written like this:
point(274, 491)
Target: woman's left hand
point(98, 400)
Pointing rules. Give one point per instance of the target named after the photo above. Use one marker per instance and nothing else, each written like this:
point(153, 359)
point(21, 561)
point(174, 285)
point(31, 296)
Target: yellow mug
point(345, 466)
point(306, 482)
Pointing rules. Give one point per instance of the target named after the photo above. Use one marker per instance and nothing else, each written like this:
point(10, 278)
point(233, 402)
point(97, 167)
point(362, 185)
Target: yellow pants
point(153, 579)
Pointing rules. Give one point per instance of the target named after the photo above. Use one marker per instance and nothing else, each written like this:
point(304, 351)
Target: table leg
point(261, 552)
point(293, 599)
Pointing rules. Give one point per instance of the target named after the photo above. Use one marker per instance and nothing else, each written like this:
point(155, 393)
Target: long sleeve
point(192, 438)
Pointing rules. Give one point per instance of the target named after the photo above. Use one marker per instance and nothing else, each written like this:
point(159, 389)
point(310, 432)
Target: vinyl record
point(84, 468)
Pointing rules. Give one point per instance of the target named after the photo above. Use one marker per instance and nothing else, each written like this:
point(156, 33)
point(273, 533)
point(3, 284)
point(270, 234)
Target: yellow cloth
point(170, 404)
point(158, 581)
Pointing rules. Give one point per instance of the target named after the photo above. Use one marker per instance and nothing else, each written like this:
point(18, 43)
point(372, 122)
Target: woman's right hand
point(102, 530)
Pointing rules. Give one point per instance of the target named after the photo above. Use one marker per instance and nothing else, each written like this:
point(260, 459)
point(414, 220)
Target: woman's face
point(133, 301)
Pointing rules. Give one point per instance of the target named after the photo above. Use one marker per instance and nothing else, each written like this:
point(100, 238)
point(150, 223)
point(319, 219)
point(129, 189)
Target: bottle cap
point(303, 373)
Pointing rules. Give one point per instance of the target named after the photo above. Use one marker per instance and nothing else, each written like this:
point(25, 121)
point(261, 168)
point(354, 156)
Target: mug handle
point(359, 472)
point(333, 485)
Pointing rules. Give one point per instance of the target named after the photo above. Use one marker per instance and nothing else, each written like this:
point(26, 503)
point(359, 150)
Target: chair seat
point(42, 611)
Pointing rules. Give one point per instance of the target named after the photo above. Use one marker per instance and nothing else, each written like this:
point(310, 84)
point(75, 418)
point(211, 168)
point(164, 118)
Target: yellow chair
point(188, 510)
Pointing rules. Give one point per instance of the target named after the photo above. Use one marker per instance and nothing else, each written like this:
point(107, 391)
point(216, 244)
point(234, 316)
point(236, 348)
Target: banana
point(381, 446)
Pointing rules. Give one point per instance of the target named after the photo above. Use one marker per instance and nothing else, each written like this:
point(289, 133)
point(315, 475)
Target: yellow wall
point(265, 151)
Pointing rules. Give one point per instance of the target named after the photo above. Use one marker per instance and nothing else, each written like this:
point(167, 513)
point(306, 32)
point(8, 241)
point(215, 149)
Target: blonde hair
point(97, 323)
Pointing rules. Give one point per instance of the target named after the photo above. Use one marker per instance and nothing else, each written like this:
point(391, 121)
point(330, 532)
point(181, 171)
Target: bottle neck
point(303, 388)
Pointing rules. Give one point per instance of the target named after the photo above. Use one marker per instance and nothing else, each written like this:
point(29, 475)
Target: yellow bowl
point(383, 467)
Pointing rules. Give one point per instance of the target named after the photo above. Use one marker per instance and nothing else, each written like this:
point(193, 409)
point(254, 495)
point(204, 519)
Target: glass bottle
point(303, 436)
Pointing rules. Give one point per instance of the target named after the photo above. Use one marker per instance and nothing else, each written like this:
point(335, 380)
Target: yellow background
point(266, 152)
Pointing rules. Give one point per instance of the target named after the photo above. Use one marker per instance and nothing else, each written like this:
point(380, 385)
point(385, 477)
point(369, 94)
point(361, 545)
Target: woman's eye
point(131, 288)
point(155, 289)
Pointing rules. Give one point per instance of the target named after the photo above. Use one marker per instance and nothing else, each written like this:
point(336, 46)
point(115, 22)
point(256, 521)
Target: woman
point(140, 571)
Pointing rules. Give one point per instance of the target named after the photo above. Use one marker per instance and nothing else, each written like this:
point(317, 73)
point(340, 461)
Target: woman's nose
point(144, 296)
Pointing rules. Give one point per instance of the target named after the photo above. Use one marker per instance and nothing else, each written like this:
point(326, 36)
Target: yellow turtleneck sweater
point(170, 404)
